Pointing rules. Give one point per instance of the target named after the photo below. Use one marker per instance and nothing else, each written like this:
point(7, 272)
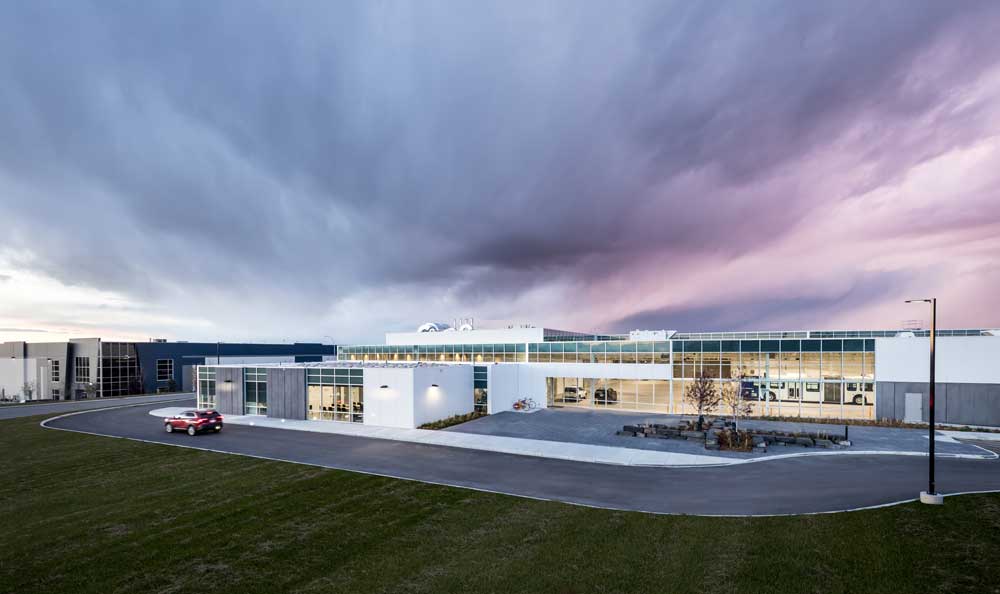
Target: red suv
point(194, 421)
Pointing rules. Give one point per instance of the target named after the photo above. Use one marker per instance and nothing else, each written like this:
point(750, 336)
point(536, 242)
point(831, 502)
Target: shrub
point(741, 441)
point(455, 420)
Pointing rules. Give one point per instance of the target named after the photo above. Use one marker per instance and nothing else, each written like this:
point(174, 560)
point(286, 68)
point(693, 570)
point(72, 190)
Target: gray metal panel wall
point(286, 393)
point(295, 388)
point(229, 390)
point(962, 404)
point(187, 378)
point(973, 404)
point(885, 401)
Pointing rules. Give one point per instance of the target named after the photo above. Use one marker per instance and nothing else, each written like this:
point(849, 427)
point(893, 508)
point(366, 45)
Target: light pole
point(931, 495)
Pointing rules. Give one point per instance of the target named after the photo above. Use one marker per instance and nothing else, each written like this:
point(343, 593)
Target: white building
point(804, 374)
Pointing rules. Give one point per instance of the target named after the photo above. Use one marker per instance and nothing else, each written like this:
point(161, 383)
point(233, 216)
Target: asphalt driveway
point(16, 411)
point(787, 486)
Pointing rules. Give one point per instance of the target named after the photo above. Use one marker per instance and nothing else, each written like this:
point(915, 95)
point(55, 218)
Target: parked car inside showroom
point(605, 396)
point(194, 422)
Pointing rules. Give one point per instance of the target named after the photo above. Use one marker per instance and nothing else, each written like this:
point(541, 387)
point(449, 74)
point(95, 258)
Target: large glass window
point(730, 364)
point(710, 364)
point(628, 352)
point(750, 363)
point(206, 387)
point(55, 372)
point(164, 370)
point(480, 380)
point(833, 365)
point(645, 394)
point(853, 365)
point(81, 369)
point(119, 369)
point(810, 366)
point(662, 351)
point(692, 364)
point(335, 394)
point(626, 394)
point(255, 391)
point(789, 368)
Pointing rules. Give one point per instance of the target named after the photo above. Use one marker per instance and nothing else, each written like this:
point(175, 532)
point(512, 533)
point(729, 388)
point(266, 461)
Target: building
point(386, 394)
point(92, 368)
point(804, 374)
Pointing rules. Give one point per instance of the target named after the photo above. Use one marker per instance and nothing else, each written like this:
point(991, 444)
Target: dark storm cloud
point(774, 310)
point(310, 150)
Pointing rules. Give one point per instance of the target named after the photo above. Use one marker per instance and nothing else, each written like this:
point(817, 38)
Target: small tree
point(91, 390)
point(702, 395)
point(732, 398)
point(27, 390)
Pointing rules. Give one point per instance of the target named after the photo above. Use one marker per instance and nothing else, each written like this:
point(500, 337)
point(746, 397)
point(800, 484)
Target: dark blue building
point(160, 366)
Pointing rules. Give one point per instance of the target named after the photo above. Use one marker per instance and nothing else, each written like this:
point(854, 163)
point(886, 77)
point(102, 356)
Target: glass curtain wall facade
point(451, 353)
point(206, 387)
point(788, 378)
point(120, 374)
point(609, 393)
point(335, 395)
point(255, 391)
point(600, 352)
point(781, 376)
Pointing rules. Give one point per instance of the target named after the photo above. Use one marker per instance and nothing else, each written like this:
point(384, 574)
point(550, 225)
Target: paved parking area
point(598, 427)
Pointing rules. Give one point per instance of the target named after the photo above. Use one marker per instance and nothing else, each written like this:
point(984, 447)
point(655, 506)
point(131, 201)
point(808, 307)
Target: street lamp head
point(918, 300)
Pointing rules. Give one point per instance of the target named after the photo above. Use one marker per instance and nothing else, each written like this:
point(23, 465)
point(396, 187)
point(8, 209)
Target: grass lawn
point(88, 514)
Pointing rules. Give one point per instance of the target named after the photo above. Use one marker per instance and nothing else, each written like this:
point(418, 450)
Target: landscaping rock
point(804, 441)
point(759, 439)
point(845, 443)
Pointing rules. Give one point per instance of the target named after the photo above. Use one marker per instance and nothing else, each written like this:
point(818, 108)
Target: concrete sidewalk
point(558, 450)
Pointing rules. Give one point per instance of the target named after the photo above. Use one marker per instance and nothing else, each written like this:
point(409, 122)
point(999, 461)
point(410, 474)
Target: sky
point(273, 171)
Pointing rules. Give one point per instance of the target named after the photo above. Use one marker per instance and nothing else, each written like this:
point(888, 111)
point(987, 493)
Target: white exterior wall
point(509, 382)
point(452, 396)
point(410, 400)
point(958, 359)
point(505, 335)
point(391, 406)
point(13, 375)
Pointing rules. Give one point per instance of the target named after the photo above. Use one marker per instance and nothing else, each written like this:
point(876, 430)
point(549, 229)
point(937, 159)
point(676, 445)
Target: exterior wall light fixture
point(383, 387)
point(435, 386)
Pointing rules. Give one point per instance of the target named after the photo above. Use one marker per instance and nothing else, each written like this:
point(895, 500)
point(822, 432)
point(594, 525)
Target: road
point(15, 411)
point(788, 486)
